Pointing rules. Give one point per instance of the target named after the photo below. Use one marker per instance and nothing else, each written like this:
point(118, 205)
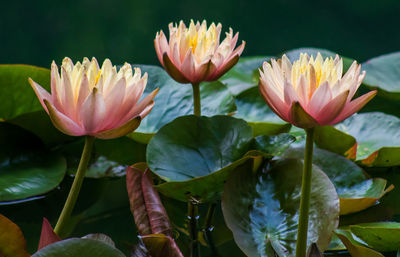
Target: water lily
point(100, 102)
point(195, 54)
point(312, 91)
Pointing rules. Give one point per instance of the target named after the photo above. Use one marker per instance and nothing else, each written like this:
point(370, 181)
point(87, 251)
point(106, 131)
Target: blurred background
point(37, 32)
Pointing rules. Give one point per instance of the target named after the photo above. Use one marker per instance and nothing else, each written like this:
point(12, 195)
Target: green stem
point(208, 228)
point(193, 216)
point(301, 244)
point(76, 186)
point(196, 99)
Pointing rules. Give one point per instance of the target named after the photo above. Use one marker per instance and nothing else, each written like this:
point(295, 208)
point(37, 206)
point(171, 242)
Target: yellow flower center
point(316, 71)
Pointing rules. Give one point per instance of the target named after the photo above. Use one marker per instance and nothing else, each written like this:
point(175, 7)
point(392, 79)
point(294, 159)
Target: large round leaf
point(191, 147)
point(382, 236)
point(175, 100)
point(294, 54)
point(377, 136)
point(79, 247)
point(355, 191)
point(262, 208)
point(383, 73)
point(16, 95)
point(27, 168)
point(252, 108)
point(244, 74)
point(40, 124)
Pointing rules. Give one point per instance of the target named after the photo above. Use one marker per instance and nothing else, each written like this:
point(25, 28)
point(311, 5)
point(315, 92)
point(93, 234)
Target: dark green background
point(37, 32)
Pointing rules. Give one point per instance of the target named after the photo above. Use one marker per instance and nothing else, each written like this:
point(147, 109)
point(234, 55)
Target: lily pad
point(355, 248)
point(382, 236)
point(383, 73)
point(191, 147)
point(16, 95)
point(175, 100)
point(356, 192)
point(261, 208)
point(79, 247)
point(294, 54)
point(40, 124)
point(27, 168)
point(252, 108)
point(244, 74)
point(377, 136)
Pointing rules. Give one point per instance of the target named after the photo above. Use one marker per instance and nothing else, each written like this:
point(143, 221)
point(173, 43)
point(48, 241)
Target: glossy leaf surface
point(261, 208)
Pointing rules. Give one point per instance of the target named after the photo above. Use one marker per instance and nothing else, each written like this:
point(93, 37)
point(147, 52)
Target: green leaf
point(175, 100)
point(16, 95)
point(40, 124)
point(244, 74)
point(252, 108)
point(377, 136)
point(355, 248)
point(383, 73)
point(79, 247)
point(262, 208)
point(294, 55)
point(27, 168)
point(382, 236)
point(200, 151)
point(12, 241)
point(355, 192)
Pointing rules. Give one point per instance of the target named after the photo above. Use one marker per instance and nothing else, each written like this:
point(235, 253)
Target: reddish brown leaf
point(47, 236)
point(149, 213)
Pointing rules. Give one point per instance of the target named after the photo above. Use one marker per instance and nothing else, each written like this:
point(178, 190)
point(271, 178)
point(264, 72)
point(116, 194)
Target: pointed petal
point(204, 70)
point(188, 66)
point(161, 46)
point(300, 118)
point(319, 99)
point(354, 106)
point(41, 93)
point(223, 69)
point(63, 123)
point(93, 112)
point(274, 101)
point(289, 93)
point(138, 109)
point(120, 131)
point(302, 90)
point(47, 236)
point(115, 104)
point(173, 71)
point(332, 109)
point(55, 80)
point(68, 103)
point(83, 91)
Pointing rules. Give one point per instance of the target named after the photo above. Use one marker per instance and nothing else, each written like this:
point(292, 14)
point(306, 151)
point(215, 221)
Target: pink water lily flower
point(312, 92)
point(101, 102)
point(195, 54)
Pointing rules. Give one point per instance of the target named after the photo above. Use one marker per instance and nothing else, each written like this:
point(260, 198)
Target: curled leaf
point(149, 213)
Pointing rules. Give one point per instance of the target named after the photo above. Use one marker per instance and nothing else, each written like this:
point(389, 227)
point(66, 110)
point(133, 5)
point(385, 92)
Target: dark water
point(37, 32)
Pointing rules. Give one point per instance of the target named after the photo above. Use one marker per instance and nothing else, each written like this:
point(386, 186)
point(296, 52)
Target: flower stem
point(301, 244)
point(76, 186)
point(193, 216)
point(196, 99)
point(208, 228)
